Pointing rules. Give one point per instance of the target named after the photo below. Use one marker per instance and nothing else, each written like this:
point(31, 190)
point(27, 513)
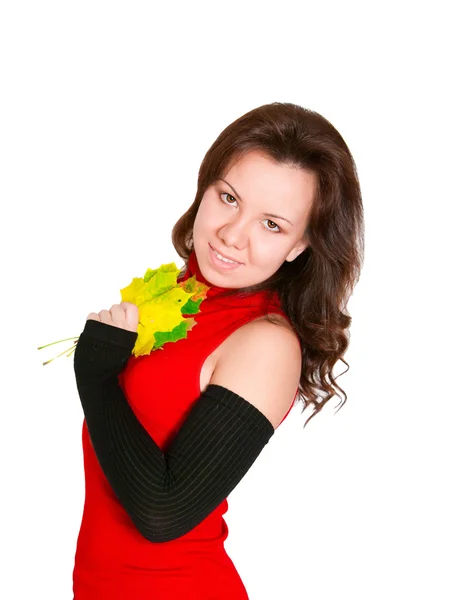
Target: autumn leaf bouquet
point(162, 302)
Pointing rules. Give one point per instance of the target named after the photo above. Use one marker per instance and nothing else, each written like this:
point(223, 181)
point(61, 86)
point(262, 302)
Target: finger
point(130, 308)
point(105, 317)
point(132, 315)
point(118, 316)
point(126, 304)
point(128, 320)
point(93, 317)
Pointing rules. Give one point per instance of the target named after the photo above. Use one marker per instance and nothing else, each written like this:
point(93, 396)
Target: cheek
point(206, 214)
point(202, 224)
point(267, 255)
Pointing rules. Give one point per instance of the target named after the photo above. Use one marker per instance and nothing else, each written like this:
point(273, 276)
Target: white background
point(107, 111)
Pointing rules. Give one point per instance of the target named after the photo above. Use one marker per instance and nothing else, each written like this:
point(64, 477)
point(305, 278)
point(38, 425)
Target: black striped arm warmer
point(165, 494)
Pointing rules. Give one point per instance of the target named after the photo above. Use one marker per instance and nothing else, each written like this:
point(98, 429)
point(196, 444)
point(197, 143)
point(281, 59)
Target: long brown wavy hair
point(314, 289)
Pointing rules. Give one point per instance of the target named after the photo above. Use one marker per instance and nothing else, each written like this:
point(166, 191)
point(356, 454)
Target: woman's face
point(231, 218)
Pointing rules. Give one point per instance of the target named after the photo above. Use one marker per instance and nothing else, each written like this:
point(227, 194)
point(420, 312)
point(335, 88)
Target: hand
point(124, 315)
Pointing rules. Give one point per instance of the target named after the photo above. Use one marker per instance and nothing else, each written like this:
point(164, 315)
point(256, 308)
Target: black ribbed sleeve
point(165, 495)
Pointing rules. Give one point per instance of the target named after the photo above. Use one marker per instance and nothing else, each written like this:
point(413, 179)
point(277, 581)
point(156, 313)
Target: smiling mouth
point(237, 262)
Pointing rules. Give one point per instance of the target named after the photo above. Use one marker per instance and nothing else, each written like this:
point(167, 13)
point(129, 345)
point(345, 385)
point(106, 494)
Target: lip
point(223, 266)
point(228, 257)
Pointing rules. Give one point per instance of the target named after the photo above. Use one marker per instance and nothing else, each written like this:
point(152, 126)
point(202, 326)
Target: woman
point(276, 233)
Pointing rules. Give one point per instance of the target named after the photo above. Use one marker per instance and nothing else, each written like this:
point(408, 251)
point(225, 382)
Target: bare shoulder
point(262, 363)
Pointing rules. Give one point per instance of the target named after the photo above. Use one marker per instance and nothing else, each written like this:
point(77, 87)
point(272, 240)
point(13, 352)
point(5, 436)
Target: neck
point(193, 268)
point(216, 291)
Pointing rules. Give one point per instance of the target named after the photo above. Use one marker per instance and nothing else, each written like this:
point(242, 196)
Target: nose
point(235, 234)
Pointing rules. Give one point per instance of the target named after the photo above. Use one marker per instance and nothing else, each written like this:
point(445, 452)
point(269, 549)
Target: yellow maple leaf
point(161, 301)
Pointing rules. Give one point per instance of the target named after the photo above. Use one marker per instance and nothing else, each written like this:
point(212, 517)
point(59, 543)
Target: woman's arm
point(166, 495)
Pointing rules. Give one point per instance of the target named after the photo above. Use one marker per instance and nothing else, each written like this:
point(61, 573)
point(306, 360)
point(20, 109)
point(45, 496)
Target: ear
point(295, 252)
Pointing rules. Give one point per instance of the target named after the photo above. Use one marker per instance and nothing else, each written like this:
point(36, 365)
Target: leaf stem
point(58, 342)
point(55, 357)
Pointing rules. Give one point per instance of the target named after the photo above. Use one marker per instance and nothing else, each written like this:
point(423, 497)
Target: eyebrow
point(241, 199)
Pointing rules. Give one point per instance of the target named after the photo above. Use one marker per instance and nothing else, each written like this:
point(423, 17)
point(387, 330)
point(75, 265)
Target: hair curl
point(314, 289)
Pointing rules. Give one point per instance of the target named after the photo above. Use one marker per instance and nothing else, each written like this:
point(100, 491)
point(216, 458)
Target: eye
point(266, 228)
point(226, 194)
point(269, 228)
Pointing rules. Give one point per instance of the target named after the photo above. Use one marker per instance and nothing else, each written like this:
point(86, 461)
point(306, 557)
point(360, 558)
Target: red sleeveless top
point(113, 561)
